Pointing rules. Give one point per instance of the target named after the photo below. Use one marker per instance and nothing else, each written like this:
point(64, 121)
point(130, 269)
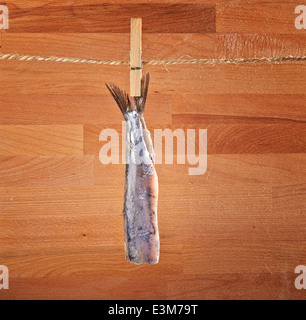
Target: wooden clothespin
point(136, 57)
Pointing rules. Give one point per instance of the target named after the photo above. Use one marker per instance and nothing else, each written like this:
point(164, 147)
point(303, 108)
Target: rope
point(224, 61)
point(15, 56)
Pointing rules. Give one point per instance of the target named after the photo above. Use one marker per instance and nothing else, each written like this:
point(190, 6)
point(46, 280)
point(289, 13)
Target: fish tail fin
point(141, 101)
point(121, 97)
point(123, 100)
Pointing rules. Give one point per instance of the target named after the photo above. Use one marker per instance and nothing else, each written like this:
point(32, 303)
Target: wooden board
point(100, 17)
point(236, 232)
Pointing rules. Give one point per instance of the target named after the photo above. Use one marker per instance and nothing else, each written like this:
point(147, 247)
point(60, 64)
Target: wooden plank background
point(236, 232)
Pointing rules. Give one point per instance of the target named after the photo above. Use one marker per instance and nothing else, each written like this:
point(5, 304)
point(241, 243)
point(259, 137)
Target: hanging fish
point(141, 233)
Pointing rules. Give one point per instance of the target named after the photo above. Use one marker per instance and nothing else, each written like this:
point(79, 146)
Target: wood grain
point(268, 17)
point(258, 257)
point(60, 78)
point(50, 232)
point(40, 171)
point(245, 45)
point(230, 79)
point(222, 138)
point(41, 140)
point(115, 46)
point(86, 200)
point(102, 261)
point(234, 169)
point(100, 17)
point(238, 108)
point(235, 232)
point(110, 46)
point(264, 285)
point(46, 109)
point(234, 286)
point(97, 287)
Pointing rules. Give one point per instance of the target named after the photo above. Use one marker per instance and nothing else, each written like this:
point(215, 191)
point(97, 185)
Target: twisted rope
point(15, 56)
point(224, 61)
point(20, 57)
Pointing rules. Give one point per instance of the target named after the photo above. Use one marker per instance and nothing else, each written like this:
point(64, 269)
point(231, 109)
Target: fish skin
point(141, 233)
